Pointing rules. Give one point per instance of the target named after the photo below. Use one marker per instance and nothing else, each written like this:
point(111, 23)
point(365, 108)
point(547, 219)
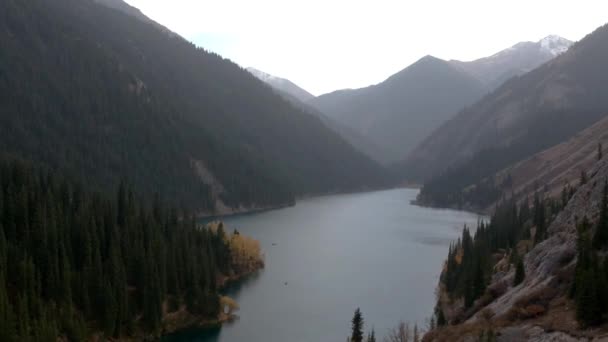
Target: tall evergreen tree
point(357, 327)
point(601, 234)
point(520, 272)
point(105, 267)
point(371, 337)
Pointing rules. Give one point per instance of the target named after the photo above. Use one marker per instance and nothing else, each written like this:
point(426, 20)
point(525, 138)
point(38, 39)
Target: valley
point(155, 186)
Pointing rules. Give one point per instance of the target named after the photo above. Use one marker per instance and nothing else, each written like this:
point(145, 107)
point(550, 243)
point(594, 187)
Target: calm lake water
point(329, 255)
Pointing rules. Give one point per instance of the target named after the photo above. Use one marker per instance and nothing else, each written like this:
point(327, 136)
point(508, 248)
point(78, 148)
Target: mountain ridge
point(282, 84)
point(397, 112)
point(164, 123)
point(510, 124)
point(514, 61)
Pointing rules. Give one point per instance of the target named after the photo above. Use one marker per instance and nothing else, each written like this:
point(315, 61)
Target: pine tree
point(520, 272)
point(357, 327)
point(600, 238)
point(479, 283)
point(586, 288)
point(491, 337)
point(539, 220)
point(372, 336)
point(583, 180)
point(588, 311)
point(441, 321)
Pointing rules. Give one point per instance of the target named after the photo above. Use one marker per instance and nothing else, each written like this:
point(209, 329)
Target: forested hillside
point(102, 96)
point(537, 271)
point(524, 116)
point(75, 263)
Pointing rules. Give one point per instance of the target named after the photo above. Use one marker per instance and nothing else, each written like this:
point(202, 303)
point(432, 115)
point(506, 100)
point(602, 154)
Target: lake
point(329, 255)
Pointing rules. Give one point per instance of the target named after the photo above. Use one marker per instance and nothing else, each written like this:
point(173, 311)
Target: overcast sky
point(324, 45)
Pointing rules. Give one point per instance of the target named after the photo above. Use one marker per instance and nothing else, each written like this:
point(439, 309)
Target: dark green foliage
point(540, 219)
point(589, 289)
point(440, 317)
point(520, 272)
point(102, 96)
point(447, 189)
point(469, 263)
point(487, 336)
point(600, 238)
point(371, 337)
point(357, 327)
point(567, 193)
point(73, 262)
point(472, 183)
point(584, 177)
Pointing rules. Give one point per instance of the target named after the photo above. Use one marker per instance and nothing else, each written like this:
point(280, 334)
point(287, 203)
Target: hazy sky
point(324, 45)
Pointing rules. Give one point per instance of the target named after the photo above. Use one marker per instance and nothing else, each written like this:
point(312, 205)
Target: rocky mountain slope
point(399, 112)
point(514, 61)
point(522, 117)
point(538, 309)
point(556, 167)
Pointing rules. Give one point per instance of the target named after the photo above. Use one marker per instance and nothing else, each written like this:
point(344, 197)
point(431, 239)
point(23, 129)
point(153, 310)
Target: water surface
point(329, 255)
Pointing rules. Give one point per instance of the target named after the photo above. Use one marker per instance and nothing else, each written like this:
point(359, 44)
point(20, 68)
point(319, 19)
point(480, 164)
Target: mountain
point(396, 115)
point(357, 140)
point(102, 97)
point(555, 168)
point(399, 112)
point(534, 265)
point(125, 8)
point(522, 117)
point(282, 84)
point(514, 61)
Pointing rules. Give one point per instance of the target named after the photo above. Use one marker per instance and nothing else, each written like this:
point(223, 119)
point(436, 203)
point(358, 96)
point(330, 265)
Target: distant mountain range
point(517, 60)
point(400, 112)
point(524, 116)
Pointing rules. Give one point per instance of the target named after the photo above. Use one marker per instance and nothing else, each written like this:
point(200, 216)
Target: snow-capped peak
point(555, 45)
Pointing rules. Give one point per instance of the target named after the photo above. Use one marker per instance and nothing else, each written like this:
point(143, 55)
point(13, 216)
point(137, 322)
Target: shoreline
point(189, 321)
point(255, 210)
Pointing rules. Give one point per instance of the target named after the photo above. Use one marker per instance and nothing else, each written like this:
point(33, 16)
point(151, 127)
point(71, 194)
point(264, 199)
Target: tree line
point(471, 260)
point(590, 286)
point(75, 263)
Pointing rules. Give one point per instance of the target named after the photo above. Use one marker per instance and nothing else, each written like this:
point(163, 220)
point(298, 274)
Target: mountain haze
point(293, 94)
point(399, 112)
point(525, 115)
point(282, 84)
point(514, 61)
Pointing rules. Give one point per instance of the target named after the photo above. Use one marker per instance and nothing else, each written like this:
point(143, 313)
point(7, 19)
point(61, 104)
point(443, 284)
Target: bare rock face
point(535, 334)
point(548, 259)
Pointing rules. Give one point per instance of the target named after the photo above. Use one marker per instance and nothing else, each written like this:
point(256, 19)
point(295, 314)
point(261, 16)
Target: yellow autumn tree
point(246, 253)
